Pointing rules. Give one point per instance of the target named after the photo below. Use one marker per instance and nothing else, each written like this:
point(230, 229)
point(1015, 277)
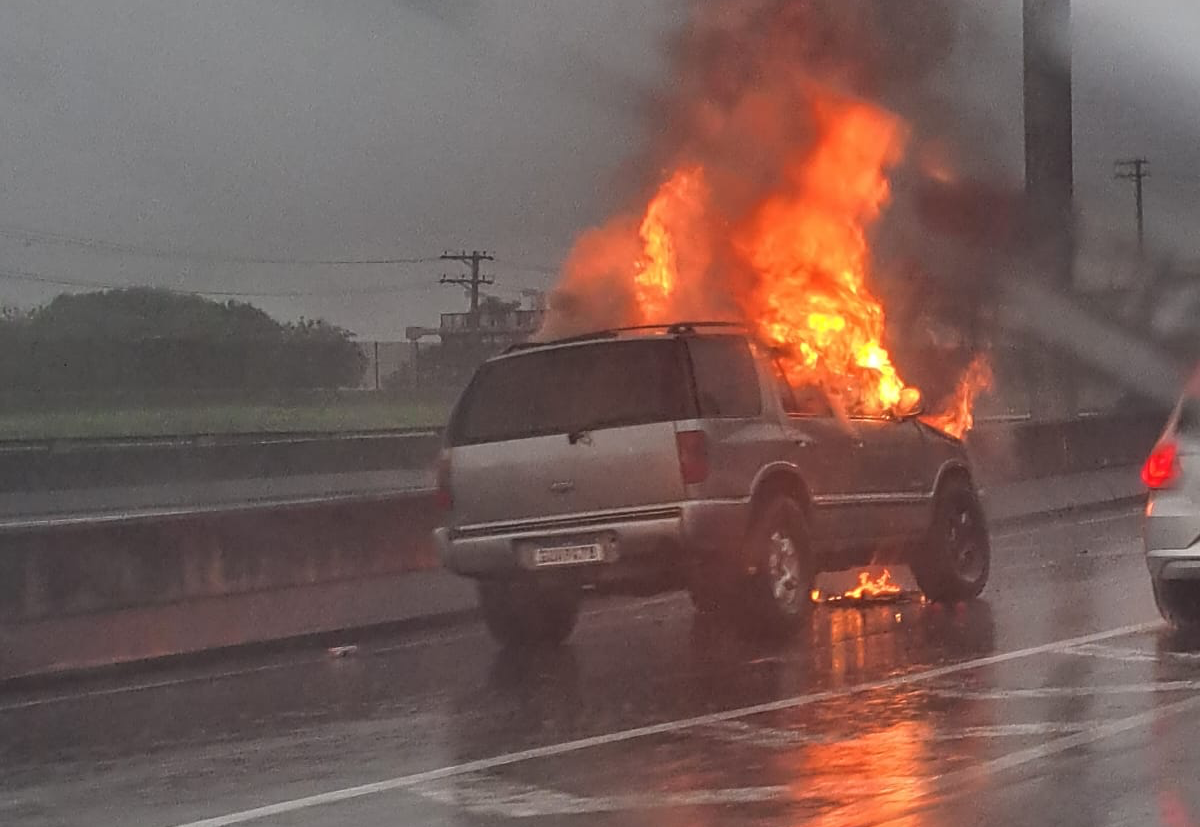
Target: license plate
point(568, 555)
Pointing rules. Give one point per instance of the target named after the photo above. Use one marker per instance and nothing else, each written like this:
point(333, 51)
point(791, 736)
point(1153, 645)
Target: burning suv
point(678, 457)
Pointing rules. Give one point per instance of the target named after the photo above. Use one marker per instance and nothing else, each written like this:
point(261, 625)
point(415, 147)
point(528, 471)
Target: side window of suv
point(726, 379)
point(808, 400)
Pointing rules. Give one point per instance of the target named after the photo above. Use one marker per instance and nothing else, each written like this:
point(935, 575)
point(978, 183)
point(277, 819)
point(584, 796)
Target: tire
point(776, 597)
point(954, 561)
point(525, 615)
point(1178, 602)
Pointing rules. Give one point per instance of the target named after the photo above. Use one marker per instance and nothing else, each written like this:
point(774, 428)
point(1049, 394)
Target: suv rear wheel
point(1178, 602)
point(777, 596)
point(525, 614)
point(954, 561)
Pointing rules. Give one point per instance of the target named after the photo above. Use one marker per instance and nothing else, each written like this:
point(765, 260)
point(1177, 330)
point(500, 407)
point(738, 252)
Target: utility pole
point(1136, 170)
point(473, 281)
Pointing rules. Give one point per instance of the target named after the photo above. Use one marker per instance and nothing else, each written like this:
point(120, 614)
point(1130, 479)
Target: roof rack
point(670, 328)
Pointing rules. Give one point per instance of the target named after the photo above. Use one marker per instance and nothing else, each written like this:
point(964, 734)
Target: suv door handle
point(804, 441)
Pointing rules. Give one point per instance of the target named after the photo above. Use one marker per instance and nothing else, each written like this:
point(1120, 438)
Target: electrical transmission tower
point(1136, 170)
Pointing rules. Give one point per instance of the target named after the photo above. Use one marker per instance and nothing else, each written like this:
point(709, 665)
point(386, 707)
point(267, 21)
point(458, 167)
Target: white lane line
point(567, 747)
point(1122, 653)
point(966, 781)
point(486, 795)
point(1065, 691)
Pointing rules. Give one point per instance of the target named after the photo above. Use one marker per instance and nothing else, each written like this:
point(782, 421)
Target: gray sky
point(369, 128)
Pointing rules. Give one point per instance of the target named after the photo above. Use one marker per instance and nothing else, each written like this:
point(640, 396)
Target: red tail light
point(693, 456)
point(1162, 467)
point(444, 497)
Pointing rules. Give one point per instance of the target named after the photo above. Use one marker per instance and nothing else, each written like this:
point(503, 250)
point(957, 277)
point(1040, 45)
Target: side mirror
point(911, 404)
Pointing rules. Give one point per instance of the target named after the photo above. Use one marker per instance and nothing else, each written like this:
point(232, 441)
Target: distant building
point(468, 339)
point(498, 329)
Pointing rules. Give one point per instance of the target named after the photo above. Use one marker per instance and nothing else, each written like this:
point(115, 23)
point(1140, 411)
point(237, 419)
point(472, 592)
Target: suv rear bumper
point(1172, 536)
point(635, 540)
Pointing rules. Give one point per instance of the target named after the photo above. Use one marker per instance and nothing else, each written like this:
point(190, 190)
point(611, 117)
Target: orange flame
point(793, 263)
point(881, 586)
point(959, 417)
point(808, 247)
point(658, 271)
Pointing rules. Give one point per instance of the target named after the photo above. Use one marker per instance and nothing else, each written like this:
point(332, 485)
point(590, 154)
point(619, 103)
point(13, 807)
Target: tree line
point(150, 339)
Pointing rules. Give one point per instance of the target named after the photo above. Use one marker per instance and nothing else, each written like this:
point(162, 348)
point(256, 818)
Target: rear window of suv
point(573, 389)
point(726, 380)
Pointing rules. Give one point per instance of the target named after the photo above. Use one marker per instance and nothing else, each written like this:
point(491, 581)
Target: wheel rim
point(783, 563)
point(963, 543)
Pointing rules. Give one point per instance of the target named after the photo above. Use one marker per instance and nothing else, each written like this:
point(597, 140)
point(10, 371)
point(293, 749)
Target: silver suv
point(1172, 528)
point(649, 459)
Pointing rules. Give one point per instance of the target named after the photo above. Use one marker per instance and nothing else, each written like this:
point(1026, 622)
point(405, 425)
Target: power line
point(58, 281)
point(37, 236)
point(528, 267)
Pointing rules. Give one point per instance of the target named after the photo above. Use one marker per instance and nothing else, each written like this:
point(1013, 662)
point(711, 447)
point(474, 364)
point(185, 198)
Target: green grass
point(336, 415)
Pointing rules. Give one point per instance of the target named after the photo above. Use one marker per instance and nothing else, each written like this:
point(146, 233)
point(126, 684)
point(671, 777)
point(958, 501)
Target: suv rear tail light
point(1162, 466)
point(444, 497)
point(693, 456)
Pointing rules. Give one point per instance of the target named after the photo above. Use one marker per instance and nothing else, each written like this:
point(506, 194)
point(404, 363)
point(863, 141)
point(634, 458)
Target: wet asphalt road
point(1058, 699)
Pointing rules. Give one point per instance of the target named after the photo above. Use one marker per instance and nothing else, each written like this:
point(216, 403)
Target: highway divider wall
point(85, 593)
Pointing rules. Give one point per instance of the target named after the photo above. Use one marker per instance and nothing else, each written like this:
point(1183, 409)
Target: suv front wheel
point(955, 560)
point(523, 614)
point(777, 595)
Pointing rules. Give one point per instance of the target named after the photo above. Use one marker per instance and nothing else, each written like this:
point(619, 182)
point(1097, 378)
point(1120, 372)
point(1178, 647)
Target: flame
point(881, 586)
point(958, 416)
point(808, 248)
point(658, 271)
point(786, 253)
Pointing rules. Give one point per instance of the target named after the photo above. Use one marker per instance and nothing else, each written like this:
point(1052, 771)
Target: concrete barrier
point(125, 586)
point(92, 594)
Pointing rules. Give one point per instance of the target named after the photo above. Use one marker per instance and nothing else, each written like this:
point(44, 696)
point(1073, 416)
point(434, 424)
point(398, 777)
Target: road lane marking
point(551, 750)
point(1122, 653)
point(485, 795)
point(1064, 691)
point(963, 782)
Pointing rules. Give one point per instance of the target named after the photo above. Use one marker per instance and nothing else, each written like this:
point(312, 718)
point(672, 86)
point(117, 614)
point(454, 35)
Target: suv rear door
point(567, 430)
point(730, 404)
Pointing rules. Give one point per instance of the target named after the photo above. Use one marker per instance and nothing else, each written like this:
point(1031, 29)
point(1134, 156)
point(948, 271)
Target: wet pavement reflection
point(1059, 699)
